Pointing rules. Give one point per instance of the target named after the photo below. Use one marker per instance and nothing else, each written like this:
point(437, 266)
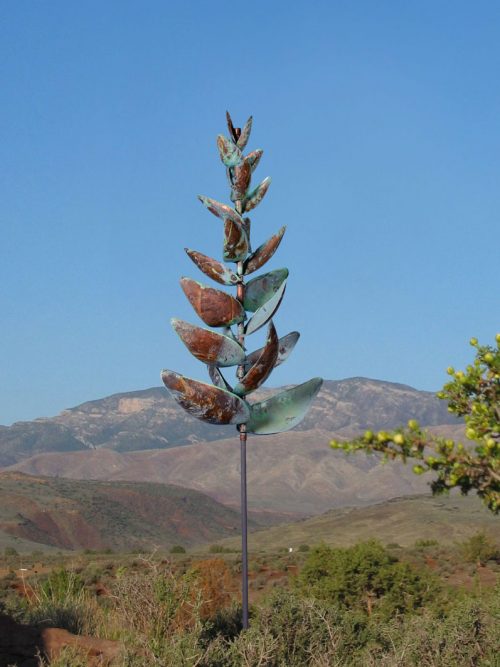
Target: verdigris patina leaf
point(253, 158)
point(229, 153)
point(257, 195)
point(204, 401)
point(284, 410)
point(213, 268)
point(285, 347)
point(208, 346)
point(258, 373)
point(263, 314)
point(264, 252)
point(259, 290)
point(218, 379)
point(216, 308)
point(245, 134)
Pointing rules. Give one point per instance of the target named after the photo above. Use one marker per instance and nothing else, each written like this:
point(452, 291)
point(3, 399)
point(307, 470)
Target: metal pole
point(240, 295)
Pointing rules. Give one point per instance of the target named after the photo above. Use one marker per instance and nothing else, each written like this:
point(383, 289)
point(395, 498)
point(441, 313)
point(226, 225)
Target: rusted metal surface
point(285, 347)
point(257, 195)
point(261, 289)
point(218, 379)
point(229, 153)
point(253, 158)
point(284, 410)
point(236, 243)
point(264, 252)
point(212, 268)
point(208, 346)
point(204, 401)
point(263, 314)
point(261, 369)
point(216, 308)
point(245, 134)
point(240, 180)
point(234, 132)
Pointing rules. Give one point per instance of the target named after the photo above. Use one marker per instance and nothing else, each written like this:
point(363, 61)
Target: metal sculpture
point(221, 403)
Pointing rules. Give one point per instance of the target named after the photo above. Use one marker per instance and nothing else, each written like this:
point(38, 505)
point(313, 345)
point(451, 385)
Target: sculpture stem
point(240, 295)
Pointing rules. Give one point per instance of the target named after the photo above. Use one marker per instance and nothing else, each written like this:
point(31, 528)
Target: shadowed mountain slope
point(72, 514)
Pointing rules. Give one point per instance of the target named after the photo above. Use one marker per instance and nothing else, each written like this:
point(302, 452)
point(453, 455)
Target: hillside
point(150, 419)
point(402, 521)
point(38, 511)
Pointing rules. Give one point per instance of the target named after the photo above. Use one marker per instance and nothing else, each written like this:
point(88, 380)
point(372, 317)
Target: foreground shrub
point(365, 577)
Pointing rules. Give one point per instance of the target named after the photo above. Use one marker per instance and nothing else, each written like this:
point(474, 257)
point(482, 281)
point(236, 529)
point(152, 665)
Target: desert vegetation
point(367, 604)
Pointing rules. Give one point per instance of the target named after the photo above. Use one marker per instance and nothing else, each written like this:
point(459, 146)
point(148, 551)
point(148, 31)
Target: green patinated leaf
point(229, 153)
point(284, 410)
point(261, 289)
point(263, 314)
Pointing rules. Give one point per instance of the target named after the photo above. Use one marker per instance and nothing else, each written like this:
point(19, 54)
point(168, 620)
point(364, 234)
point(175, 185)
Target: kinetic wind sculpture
point(221, 403)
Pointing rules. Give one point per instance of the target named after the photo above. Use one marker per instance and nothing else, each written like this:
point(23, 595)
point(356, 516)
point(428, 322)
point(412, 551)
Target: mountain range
point(144, 436)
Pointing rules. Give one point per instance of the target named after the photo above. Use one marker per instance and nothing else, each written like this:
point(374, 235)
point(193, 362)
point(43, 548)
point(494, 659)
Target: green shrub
point(177, 549)
point(479, 548)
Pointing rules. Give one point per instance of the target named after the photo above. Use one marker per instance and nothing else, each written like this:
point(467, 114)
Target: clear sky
point(380, 123)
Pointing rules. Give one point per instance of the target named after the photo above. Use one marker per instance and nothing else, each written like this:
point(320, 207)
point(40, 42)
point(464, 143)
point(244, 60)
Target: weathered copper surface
point(284, 410)
point(253, 158)
point(212, 268)
point(264, 252)
point(285, 347)
point(229, 153)
point(261, 289)
point(236, 244)
point(218, 379)
point(245, 134)
point(257, 195)
point(261, 369)
point(204, 401)
point(208, 346)
point(216, 308)
point(234, 132)
point(240, 180)
point(265, 312)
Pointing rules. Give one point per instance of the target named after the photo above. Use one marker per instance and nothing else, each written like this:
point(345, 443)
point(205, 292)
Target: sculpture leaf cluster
point(253, 307)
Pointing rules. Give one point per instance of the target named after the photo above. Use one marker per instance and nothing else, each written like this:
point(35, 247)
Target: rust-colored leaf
point(216, 308)
point(236, 245)
point(212, 268)
point(257, 195)
point(229, 153)
point(231, 128)
point(245, 134)
point(240, 180)
point(208, 346)
point(285, 347)
point(264, 252)
point(204, 401)
point(222, 211)
point(261, 289)
point(253, 158)
point(261, 369)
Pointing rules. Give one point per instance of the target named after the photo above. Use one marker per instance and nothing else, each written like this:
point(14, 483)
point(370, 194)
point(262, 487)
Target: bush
point(479, 549)
point(304, 547)
point(177, 549)
point(365, 577)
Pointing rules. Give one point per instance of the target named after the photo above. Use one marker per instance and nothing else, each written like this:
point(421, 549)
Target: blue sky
point(380, 126)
